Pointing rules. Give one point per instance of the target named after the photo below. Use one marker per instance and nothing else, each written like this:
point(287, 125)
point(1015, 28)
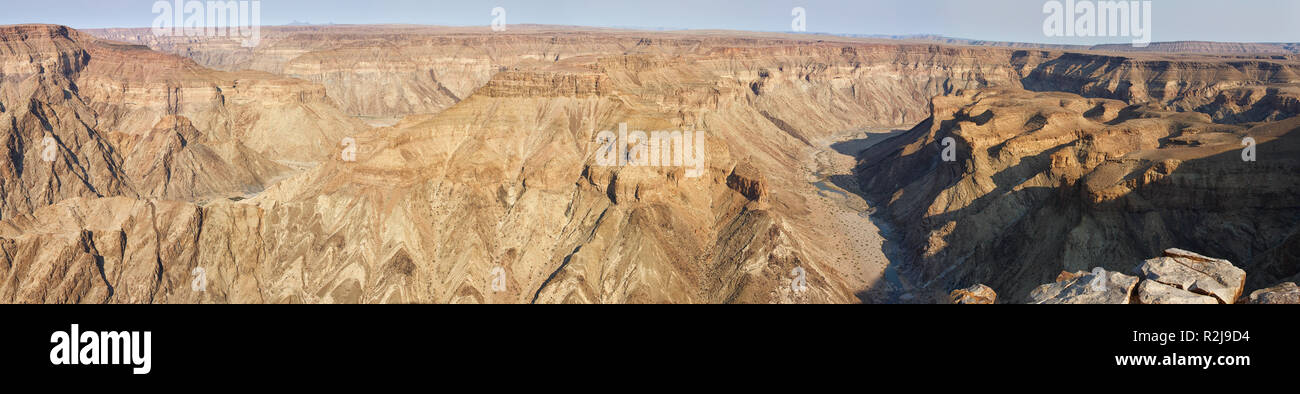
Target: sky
point(997, 20)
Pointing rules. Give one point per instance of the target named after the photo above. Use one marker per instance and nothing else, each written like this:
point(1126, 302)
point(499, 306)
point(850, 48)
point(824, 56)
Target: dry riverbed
point(865, 253)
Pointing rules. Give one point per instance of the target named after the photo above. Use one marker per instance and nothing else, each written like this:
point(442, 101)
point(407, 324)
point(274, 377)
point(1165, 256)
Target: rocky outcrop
point(1197, 274)
point(546, 84)
point(1286, 293)
point(1153, 292)
point(1178, 277)
point(1097, 287)
point(976, 294)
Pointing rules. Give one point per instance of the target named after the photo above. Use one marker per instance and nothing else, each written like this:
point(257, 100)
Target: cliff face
point(1046, 182)
point(132, 88)
point(390, 71)
point(51, 147)
point(428, 69)
point(122, 120)
point(1231, 91)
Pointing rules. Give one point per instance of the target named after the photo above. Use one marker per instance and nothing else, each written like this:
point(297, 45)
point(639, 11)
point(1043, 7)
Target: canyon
point(418, 164)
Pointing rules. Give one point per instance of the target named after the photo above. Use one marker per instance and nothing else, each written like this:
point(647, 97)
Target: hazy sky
point(1003, 20)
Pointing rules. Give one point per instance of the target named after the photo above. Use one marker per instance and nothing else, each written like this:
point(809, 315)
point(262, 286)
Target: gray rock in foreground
point(1286, 293)
point(1196, 273)
point(1152, 292)
point(1086, 288)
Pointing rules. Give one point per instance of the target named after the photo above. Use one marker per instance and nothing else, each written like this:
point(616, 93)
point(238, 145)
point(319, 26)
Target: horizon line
point(897, 37)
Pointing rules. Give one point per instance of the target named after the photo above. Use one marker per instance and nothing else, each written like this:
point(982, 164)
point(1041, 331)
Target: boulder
point(1097, 287)
point(1196, 273)
point(1152, 292)
point(977, 294)
point(1286, 293)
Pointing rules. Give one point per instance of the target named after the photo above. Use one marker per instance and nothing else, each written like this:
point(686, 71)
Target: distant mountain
point(1184, 47)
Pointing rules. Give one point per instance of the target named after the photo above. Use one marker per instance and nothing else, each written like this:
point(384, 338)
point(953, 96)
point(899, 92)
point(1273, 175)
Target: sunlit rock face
point(179, 158)
point(1044, 182)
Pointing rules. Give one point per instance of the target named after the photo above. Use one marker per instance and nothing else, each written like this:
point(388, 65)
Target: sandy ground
point(862, 250)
